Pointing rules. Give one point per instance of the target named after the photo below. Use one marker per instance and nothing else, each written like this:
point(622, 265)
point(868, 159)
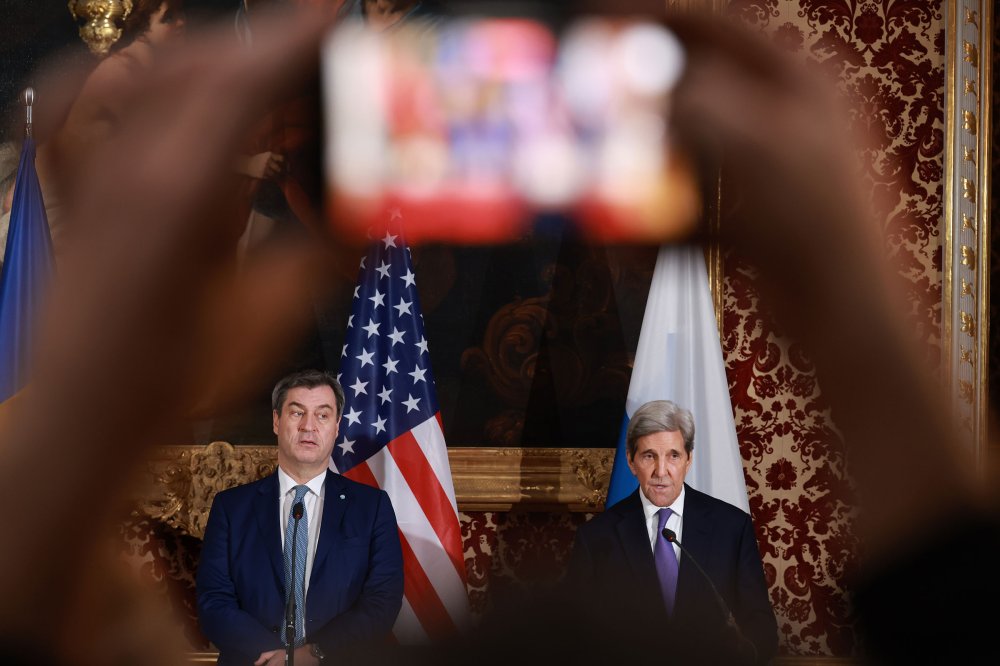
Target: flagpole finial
point(29, 100)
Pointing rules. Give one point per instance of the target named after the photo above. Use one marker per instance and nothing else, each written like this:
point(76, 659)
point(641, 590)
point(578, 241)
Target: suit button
point(274, 629)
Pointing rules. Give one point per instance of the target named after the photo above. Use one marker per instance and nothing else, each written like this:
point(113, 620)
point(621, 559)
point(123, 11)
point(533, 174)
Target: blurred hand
point(269, 657)
point(799, 213)
point(303, 657)
point(263, 165)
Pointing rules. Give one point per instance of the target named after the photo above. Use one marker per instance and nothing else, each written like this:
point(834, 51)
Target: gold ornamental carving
point(186, 480)
point(101, 21)
point(966, 355)
point(971, 88)
point(966, 288)
point(594, 473)
point(968, 324)
point(969, 155)
point(972, 17)
point(969, 190)
point(968, 257)
point(971, 54)
point(969, 122)
point(968, 222)
point(965, 391)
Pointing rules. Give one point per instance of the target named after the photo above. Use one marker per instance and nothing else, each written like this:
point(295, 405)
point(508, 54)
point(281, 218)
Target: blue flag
point(27, 265)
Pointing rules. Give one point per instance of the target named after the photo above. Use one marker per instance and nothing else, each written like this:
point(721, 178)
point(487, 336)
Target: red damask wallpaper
point(888, 59)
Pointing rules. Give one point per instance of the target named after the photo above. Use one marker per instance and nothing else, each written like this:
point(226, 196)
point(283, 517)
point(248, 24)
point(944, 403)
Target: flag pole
point(29, 100)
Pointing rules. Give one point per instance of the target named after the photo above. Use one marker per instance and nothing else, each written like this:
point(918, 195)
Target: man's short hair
point(659, 416)
point(309, 379)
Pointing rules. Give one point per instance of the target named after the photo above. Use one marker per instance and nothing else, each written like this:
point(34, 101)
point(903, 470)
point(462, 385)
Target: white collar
point(286, 483)
point(651, 509)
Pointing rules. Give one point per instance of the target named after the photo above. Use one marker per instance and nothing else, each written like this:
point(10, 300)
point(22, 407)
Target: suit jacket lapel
point(266, 509)
point(634, 537)
point(697, 540)
point(633, 534)
point(335, 501)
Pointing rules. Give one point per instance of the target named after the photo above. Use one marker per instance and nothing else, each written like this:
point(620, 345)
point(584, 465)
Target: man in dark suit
point(348, 585)
point(623, 567)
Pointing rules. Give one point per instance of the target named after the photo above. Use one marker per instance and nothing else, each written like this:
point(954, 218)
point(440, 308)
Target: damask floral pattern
point(887, 58)
point(166, 562)
point(515, 551)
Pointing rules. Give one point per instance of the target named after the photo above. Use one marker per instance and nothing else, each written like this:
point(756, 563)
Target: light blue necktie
point(666, 562)
point(301, 539)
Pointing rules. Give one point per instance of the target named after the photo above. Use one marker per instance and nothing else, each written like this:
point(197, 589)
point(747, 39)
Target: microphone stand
point(671, 537)
point(290, 609)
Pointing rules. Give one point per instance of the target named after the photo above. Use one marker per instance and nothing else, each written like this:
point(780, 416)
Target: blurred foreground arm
point(144, 309)
point(929, 530)
point(803, 220)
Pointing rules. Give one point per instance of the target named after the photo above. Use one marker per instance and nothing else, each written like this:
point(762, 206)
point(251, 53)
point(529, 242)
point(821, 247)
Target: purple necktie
point(666, 562)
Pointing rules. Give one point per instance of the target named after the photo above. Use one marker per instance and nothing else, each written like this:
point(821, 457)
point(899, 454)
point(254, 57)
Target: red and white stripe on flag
point(413, 469)
point(391, 437)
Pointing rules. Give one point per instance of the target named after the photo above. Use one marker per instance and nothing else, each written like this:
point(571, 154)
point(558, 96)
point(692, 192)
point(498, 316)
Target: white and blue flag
point(679, 358)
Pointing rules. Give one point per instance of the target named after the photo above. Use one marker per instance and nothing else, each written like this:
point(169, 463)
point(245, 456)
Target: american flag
point(391, 438)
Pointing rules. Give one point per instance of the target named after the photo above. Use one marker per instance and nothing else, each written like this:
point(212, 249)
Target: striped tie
point(301, 539)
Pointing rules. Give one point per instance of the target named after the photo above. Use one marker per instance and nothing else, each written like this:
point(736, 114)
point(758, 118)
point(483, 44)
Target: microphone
point(297, 510)
point(671, 536)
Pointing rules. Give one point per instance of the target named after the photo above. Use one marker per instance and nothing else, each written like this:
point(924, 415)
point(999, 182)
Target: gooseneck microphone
point(297, 510)
point(671, 536)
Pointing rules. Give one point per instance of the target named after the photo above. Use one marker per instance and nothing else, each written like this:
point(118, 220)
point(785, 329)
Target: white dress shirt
point(313, 502)
point(674, 522)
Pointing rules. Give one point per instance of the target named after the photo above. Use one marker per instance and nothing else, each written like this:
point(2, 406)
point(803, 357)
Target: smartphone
point(468, 130)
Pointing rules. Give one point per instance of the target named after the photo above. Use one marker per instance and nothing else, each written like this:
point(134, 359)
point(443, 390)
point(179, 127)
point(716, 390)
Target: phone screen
point(469, 129)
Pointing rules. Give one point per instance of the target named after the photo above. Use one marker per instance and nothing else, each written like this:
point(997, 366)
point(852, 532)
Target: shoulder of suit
point(612, 514)
point(355, 488)
point(716, 508)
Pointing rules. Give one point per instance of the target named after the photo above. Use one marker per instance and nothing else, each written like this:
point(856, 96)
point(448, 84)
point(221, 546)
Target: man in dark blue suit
point(627, 571)
point(350, 587)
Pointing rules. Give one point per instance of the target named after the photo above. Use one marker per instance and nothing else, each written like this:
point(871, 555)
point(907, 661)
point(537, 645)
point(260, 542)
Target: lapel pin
point(343, 497)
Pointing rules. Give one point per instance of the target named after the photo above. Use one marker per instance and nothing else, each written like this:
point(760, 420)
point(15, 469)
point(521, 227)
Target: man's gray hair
point(659, 416)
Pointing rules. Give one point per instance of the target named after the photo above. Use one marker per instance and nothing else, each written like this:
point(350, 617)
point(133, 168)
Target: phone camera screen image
point(469, 129)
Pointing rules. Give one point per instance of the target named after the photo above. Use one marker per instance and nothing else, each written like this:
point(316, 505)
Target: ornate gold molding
point(967, 212)
point(489, 479)
point(181, 481)
point(101, 21)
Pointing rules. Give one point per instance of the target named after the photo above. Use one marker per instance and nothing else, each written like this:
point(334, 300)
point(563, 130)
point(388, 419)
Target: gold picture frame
point(966, 247)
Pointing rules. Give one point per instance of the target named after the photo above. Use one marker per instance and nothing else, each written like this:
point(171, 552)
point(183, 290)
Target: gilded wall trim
point(967, 213)
point(181, 481)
